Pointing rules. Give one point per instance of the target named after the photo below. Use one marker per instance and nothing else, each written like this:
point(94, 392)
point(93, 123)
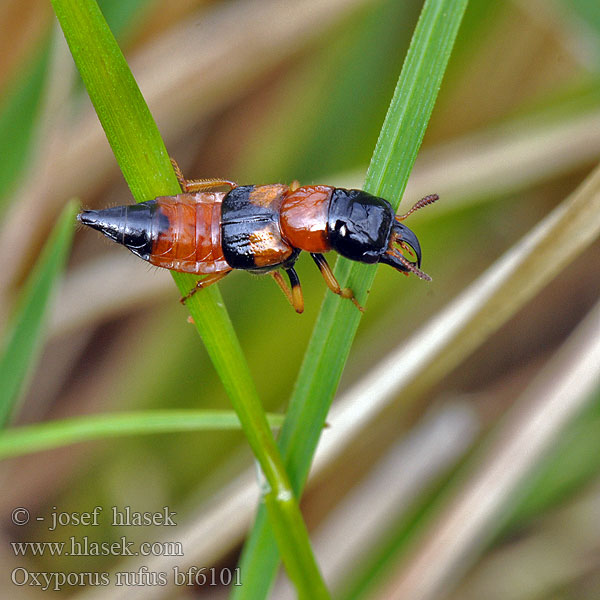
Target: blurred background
point(263, 92)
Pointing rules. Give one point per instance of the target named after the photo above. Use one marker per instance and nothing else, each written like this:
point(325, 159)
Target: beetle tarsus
point(199, 185)
point(204, 283)
point(332, 282)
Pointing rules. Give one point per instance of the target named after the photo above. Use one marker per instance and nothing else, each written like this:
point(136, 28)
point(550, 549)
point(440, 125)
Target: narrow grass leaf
point(25, 336)
point(394, 156)
point(143, 159)
point(18, 112)
point(53, 434)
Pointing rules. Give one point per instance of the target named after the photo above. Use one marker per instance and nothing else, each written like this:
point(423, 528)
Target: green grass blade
point(122, 17)
point(53, 434)
point(394, 156)
point(144, 161)
point(18, 118)
point(26, 332)
point(588, 11)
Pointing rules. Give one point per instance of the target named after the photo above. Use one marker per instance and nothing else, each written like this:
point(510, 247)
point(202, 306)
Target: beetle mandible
point(261, 229)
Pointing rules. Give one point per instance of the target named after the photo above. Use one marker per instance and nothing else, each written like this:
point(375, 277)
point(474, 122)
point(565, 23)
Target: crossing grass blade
point(144, 162)
point(53, 434)
point(25, 335)
point(392, 161)
point(18, 118)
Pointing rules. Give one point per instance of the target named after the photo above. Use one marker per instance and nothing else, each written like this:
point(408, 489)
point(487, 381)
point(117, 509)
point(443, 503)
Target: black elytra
point(241, 220)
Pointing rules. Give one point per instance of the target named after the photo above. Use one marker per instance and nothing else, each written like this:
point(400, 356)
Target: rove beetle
point(261, 229)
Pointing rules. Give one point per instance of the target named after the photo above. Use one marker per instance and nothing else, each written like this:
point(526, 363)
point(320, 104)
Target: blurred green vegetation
point(25, 336)
point(19, 108)
point(314, 115)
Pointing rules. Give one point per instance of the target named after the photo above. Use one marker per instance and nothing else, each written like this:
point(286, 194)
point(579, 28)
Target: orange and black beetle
point(261, 229)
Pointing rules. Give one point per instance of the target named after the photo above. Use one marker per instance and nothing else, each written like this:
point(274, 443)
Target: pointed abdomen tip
point(88, 217)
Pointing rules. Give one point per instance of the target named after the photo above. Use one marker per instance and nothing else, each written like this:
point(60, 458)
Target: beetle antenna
point(420, 204)
point(411, 267)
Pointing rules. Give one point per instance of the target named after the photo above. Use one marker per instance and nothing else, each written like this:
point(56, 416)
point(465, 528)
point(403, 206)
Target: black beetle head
point(359, 225)
point(364, 228)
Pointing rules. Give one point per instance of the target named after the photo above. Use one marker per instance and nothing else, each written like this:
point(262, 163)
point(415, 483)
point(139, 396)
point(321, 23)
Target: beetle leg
point(332, 282)
point(198, 185)
point(294, 185)
point(204, 283)
point(297, 298)
point(276, 275)
point(294, 295)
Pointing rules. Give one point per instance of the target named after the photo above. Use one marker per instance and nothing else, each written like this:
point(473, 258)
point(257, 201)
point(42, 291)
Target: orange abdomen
point(188, 235)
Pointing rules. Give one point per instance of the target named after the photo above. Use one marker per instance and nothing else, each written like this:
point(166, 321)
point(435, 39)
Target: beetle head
point(363, 227)
point(359, 224)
